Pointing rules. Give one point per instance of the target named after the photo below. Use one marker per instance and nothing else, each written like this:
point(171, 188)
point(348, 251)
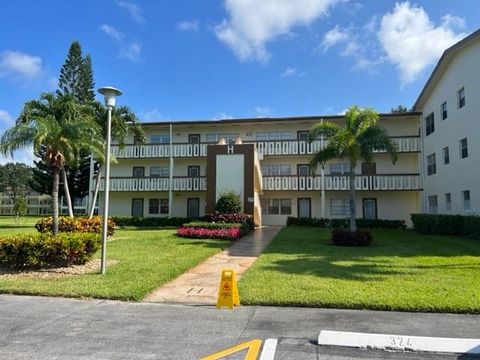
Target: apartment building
point(171, 175)
point(450, 124)
point(41, 204)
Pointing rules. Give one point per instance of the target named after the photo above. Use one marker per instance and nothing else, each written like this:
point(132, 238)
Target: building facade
point(168, 175)
point(450, 124)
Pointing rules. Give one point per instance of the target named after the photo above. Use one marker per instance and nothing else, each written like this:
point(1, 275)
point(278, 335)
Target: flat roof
point(273, 119)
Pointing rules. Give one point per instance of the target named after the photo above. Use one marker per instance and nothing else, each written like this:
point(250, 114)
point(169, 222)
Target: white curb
point(268, 351)
point(399, 342)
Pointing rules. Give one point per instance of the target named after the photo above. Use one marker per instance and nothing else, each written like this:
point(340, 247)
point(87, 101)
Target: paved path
point(67, 329)
point(200, 284)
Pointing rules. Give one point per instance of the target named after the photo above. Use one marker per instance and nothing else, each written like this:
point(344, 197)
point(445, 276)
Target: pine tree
point(69, 82)
point(86, 81)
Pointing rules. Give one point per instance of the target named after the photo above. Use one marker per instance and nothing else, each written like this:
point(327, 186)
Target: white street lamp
point(110, 94)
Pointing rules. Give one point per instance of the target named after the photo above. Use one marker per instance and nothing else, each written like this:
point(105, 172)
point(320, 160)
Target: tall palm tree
point(124, 124)
point(60, 127)
point(360, 137)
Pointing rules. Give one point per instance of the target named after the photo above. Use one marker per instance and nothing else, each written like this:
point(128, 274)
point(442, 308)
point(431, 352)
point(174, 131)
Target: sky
point(214, 59)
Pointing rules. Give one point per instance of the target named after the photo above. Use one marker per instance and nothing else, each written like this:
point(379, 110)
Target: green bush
point(229, 203)
point(151, 221)
point(447, 225)
point(344, 223)
point(76, 225)
point(344, 237)
point(46, 250)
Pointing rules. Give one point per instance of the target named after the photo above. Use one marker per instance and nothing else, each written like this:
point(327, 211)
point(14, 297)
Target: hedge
point(230, 218)
point(231, 233)
point(76, 225)
point(151, 221)
point(344, 237)
point(46, 250)
point(344, 223)
point(447, 225)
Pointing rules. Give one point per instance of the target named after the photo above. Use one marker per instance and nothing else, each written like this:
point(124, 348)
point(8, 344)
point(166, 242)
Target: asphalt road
point(55, 328)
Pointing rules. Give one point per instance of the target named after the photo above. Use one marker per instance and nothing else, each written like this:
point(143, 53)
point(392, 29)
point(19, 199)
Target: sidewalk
point(200, 284)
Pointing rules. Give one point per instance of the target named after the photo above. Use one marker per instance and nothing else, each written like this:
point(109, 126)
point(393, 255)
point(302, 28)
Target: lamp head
point(110, 93)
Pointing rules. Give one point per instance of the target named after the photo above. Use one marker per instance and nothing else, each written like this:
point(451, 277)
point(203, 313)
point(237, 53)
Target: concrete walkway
point(200, 284)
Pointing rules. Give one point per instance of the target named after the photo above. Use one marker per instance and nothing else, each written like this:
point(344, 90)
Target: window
point(276, 206)
point(339, 207)
point(303, 170)
point(273, 135)
point(463, 148)
point(138, 171)
point(431, 165)
point(276, 170)
point(446, 155)
point(466, 200)
point(448, 201)
point(153, 206)
point(163, 206)
point(159, 171)
point(461, 98)
point(369, 168)
point(339, 168)
point(159, 139)
point(444, 110)
point(193, 171)
point(302, 135)
point(229, 137)
point(433, 204)
point(430, 124)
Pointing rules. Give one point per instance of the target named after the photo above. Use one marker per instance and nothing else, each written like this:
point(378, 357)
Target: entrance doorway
point(193, 207)
point(304, 207)
point(137, 207)
point(370, 209)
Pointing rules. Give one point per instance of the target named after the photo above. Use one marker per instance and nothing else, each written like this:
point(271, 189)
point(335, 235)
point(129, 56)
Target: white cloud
point(252, 23)
point(24, 156)
point(262, 111)
point(112, 32)
point(130, 49)
point(412, 41)
point(291, 71)
point(19, 65)
point(223, 116)
point(151, 115)
point(6, 120)
point(188, 25)
point(335, 36)
point(134, 10)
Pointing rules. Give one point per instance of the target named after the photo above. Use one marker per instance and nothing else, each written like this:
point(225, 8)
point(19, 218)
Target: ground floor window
point(433, 204)
point(158, 206)
point(466, 200)
point(276, 206)
point(339, 207)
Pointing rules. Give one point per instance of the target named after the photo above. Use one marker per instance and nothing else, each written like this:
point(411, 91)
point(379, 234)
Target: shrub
point(244, 227)
point(76, 225)
point(447, 225)
point(46, 250)
point(229, 203)
point(230, 218)
point(344, 223)
point(343, 237)
point(151, 221)
point(231, 233)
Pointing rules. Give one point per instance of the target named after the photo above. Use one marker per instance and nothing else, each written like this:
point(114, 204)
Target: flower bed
point(230, 233)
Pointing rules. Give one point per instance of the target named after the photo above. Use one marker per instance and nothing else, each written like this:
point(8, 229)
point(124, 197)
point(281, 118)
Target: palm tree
point(361, 136)
point(59, 128)
point(124, 124)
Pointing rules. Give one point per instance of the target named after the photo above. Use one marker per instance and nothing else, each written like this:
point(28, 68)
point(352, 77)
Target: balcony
point(180, 183)
point(264, 148)
point(332, 182)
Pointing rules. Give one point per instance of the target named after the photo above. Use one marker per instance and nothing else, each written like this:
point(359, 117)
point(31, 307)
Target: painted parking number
point(400, 341)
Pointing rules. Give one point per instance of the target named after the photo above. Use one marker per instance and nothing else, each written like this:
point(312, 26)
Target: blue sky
point(210, 59)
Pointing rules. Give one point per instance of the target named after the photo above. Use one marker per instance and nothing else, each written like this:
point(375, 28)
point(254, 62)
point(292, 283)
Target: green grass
point(10, 225)
point(402, 271)
point(147, 260)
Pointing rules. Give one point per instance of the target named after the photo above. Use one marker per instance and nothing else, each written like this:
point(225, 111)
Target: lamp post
point(110, 94)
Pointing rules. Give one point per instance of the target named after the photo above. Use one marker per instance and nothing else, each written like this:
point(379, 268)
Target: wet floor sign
point(228, 290)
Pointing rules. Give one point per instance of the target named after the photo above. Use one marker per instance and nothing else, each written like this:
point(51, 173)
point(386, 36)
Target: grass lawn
point(9, 225)
point(402, 270)
point(147, 260)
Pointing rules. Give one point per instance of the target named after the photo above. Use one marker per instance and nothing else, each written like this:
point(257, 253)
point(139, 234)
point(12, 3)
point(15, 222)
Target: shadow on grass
point(308, 251)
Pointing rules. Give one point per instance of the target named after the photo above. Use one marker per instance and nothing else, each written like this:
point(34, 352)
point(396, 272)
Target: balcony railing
point(362, 182)
point(266, 148)
point(180, 183)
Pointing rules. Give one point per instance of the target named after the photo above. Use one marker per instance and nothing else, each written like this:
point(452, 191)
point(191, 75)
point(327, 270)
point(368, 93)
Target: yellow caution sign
point(253, 347)
point(228, 291)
